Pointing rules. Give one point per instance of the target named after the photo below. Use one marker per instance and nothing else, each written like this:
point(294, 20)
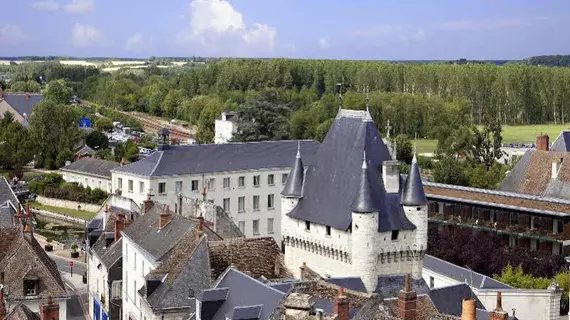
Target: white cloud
point(45, 5)
point(87, 36)
point(80, 6)
point(216, 28)
point(324, 43)
point(12, 34)
point(418, 36)
point(137, 43)
point(463, 25)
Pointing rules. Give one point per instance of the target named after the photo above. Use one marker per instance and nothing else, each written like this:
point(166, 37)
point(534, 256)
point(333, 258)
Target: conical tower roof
point(368, 199)
point(414, 194)
point(294, 186)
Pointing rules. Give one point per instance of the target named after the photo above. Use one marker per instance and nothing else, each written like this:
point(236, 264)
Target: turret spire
point(414, 194)
point(367, 200)
point(294, 186)
point(367, 117)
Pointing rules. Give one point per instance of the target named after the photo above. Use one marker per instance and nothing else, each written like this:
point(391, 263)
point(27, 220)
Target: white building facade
point(224, 128)
point(90, 172)
point(137, 263)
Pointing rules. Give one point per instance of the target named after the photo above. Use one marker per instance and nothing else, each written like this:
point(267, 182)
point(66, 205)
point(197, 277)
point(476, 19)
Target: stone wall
point(68, 204)
point(58, 216)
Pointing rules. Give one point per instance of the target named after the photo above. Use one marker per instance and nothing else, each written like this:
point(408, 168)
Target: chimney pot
point(542, 142)
point(49, 310)
point(499, 313)
point(407, 301)
point(164, 217)
point(341, 305)
point(468, 310)
point(119, 225)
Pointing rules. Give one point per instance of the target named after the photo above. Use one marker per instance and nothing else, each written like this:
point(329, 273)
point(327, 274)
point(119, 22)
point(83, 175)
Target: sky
point(329, 29)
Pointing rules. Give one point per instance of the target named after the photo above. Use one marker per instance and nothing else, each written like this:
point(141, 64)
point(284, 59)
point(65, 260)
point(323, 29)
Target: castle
point(351, 214)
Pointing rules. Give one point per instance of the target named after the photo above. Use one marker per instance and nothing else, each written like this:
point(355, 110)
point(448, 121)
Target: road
point(79, 268)
point(76, 306)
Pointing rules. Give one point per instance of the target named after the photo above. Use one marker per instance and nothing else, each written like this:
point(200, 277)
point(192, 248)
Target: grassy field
point(520, 134)
point(86, 215)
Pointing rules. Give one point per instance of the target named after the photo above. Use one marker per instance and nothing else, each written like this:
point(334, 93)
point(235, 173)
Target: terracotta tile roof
point(21, 255)
point(495, 198)
point(257, 256)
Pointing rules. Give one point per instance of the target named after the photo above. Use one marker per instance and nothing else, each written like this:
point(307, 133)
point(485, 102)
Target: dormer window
point(31, 286)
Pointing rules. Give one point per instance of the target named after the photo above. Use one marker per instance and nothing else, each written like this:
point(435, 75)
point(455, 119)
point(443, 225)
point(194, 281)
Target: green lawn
point(520, 134)
point(86, 215)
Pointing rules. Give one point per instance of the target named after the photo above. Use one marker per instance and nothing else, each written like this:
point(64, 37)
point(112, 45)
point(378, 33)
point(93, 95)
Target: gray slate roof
point(414, 194)
point(352, 283)
point(22, 105)
point(206, 158)
point(112, 254)
point(390, 286)
point(93, 167)
point(562, 142)
point(243, 291)
point(85, 150)
point(448, 300)
point(7, 210)
point(369, 196)
point(333, 180)
point(461, 274)
point(294, 185)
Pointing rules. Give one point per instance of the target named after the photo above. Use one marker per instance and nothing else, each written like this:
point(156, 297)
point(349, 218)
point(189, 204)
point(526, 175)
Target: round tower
point(365, 209)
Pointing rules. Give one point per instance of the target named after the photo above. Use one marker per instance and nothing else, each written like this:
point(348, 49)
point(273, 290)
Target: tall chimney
point(499, 313)
point(49, 310)
point(468, 310)
point(341, 305)
point(164, 217)
point(407, 301)
point(147, 204)
point(391, 175)
point(119, 225)
point(542, 142)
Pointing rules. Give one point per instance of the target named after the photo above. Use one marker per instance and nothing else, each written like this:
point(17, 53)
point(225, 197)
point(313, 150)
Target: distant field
point(520, 134)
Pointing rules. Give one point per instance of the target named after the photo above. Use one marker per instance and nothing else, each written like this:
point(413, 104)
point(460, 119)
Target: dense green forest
point(552, 60)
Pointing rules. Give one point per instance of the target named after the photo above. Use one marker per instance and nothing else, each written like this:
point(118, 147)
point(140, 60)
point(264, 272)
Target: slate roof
point(112, 254)
point(93, 167)
point(334, 179)
point(443, 303)
point(260, 299)
point(390, 286)
point(22, 312)
point(294, 185)
point(562, 142)
point(413, 193)
point(22, 105)
point(85, 150)
point(21, 255)
point(533, 175)
point(352, 283)
point(7, 211)
point(369, 197)
point(187, 271)
point(206, 158)
point(461, 274)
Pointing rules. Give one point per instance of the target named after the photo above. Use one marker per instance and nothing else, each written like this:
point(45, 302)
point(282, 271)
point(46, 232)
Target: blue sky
point(353, 29)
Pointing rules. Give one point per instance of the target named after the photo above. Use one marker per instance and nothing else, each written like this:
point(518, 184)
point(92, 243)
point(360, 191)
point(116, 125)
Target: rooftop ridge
point(349, 113)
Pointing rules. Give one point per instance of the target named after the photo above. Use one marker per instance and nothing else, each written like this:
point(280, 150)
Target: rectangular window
point(255, 227)
point(241, 182)
point(270, 225)
point(130, 186)
point(142, 268)
point(256, 181)
point(395, 234)
point(178, 186)
point(328, 230)
point(226, 204)
point(99, 184)
point(110, 187)
point(141, 187)
point(270, 201)
point(86, 182)
point(431, 282)
point(161, 187)
point(284, 177)
point(227, 183)
point(194, 186)
point(242, 226)
point(119, 183)
point(307, 225)
point(135, 260)
point(31, 287)
point(255, 203)
point(241, 204)
point(270, 179)
point(211, 184)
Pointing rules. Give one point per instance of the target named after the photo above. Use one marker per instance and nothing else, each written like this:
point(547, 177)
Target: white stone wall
point(528, 304)
point(34, 305)
point(136, 265)
point(67, 204)
point(365, 237)
point(223, 131)
point(438, 280)
point(97, 283)
point(88, 180)
point(419, 217)
point(218, 193)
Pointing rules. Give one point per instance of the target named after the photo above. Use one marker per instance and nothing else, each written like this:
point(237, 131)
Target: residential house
point(9, 204)
point(245, 179)
point(90, 172)
point(27, 275)
point(20, 105)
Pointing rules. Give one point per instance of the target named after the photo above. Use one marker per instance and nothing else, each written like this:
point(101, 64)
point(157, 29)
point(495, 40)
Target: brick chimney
point(119, 225)
point(407, 301)
point(147, 204)
point(542, 142)
point(341, 305)
point(49, 310)
point(164, 217)
point(200, 226)
point(468, 310)
point(499, 313)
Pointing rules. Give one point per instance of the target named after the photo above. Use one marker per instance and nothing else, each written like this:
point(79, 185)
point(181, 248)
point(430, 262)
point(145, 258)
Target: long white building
point(245, 179)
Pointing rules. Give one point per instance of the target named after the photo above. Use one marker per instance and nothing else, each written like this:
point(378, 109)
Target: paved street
point(63, 265)
point(77, 306)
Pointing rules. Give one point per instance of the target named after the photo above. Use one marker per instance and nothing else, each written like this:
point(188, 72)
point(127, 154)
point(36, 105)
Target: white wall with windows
point(136, 265)
point(251, 198)
point(90, 181)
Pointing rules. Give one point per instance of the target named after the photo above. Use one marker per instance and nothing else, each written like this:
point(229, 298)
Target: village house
point(20, 105)
point(90, 172)
point(9, 205)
